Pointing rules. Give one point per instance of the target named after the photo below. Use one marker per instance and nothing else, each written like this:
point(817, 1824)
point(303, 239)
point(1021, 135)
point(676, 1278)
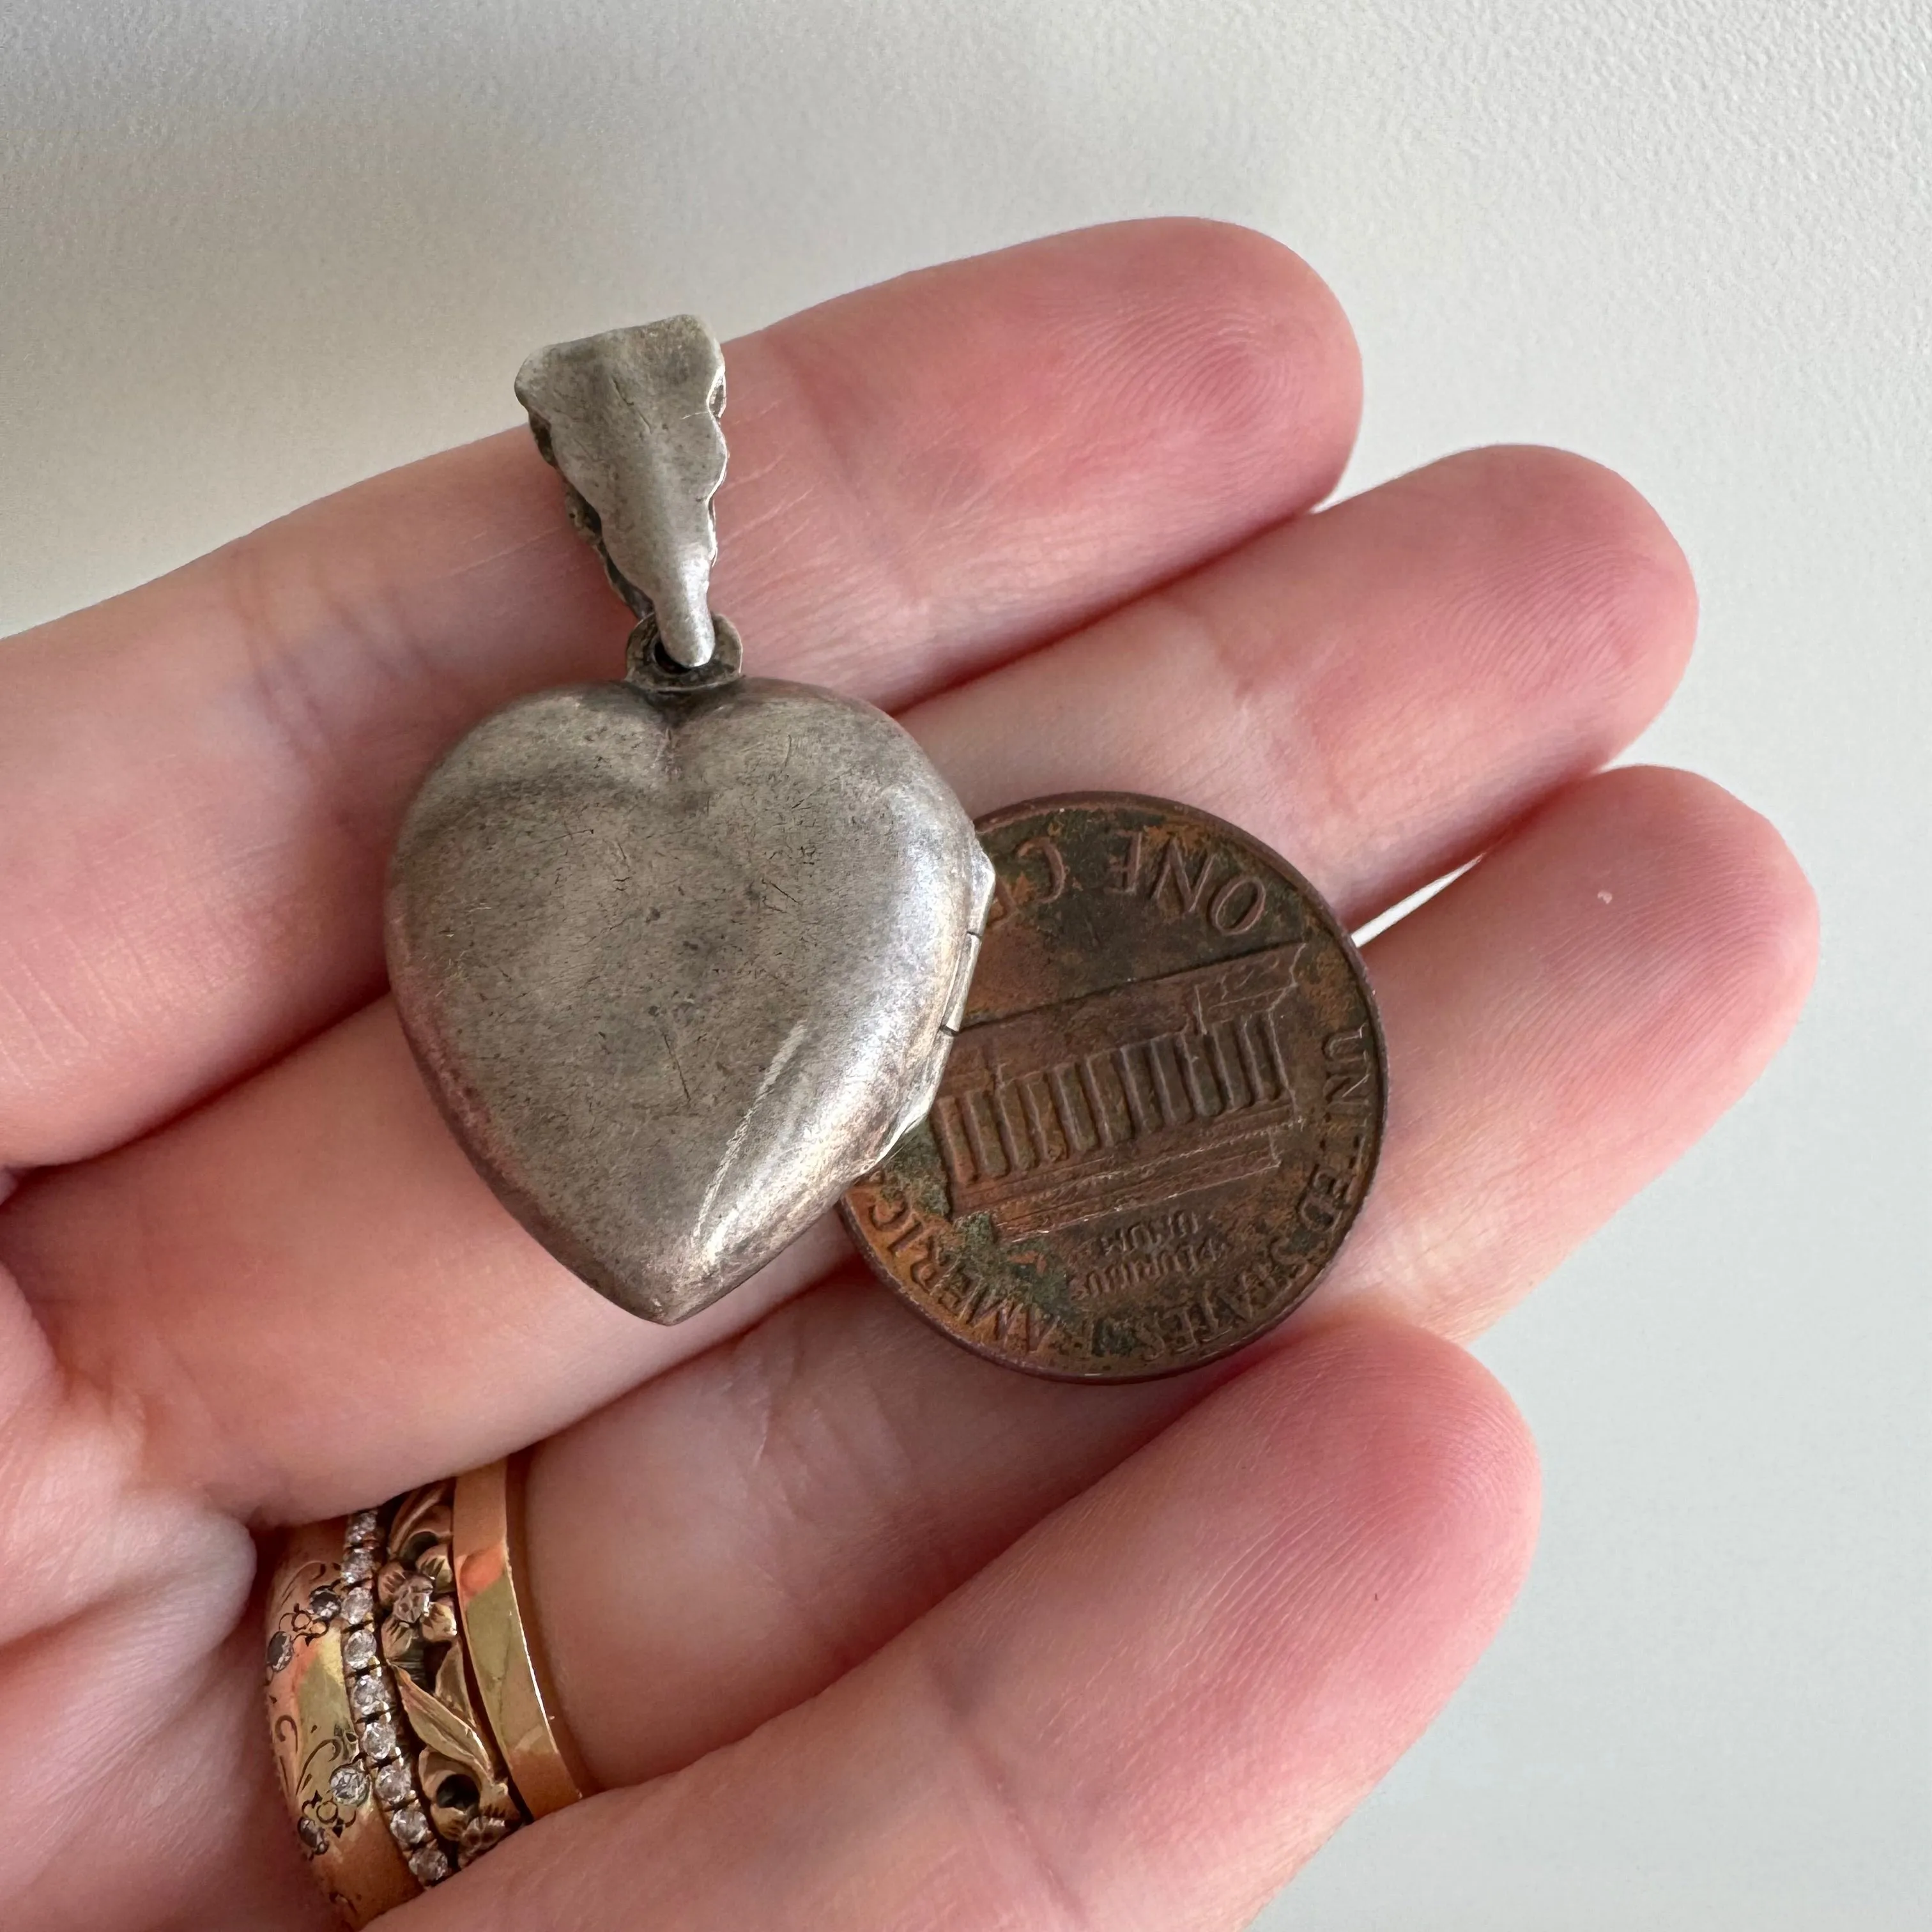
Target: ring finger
point(734, 1536)
point(776, 1509)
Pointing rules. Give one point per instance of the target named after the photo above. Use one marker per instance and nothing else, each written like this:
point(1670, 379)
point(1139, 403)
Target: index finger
point(199, 781)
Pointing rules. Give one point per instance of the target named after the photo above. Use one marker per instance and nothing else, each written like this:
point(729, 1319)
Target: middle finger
point(1378, 690)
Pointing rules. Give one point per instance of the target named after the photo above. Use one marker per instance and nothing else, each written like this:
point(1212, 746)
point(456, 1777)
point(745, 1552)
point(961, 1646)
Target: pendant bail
point(649, 668)
point(630, 419)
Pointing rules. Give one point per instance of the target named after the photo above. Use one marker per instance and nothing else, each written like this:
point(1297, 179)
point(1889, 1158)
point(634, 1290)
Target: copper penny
point(1163, 1109)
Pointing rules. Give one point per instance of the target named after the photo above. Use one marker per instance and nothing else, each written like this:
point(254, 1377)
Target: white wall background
point(251, 250)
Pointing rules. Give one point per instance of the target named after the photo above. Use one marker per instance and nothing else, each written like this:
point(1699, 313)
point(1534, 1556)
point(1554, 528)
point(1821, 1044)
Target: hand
point(861, 1633)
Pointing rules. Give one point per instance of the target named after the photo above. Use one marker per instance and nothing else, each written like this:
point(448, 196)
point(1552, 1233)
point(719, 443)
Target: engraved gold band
point(325, 1781)
point(503, 1641)
point(392, 1778)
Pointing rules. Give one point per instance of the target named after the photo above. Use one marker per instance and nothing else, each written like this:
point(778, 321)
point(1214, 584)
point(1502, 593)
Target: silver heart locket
point(680, 955)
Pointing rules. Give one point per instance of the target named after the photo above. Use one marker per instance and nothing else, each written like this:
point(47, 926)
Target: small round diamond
point(369, 1696)
point(358, 1565)
point(359, 1649)
point(281, 1651)
point(314, 1839)
point(410, 1826)
point(359, 1606)
point(362, 1526)
point(393, 1785)
point(323, 1603)
point(350, 1785)
point(378, 1740)
point(430, 1865)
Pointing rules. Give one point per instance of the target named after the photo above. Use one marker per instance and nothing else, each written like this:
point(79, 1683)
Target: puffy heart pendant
point(680, 956)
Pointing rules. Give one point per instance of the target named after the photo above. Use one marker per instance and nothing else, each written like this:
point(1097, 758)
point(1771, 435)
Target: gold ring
point(326, 1782)
point(392, 1778)
point(486, 1539)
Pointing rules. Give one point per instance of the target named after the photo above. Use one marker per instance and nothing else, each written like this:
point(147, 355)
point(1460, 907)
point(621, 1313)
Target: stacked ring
point(325, 1778)
point(504, 1651)
point(387, 1633)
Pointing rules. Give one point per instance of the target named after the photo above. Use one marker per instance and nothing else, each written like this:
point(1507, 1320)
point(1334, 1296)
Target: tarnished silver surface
point(680, 970)
point(681, 956)
point(631, 419)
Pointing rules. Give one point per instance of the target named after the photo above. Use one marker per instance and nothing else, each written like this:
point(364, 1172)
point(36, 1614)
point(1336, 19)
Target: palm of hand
point(859, 1631)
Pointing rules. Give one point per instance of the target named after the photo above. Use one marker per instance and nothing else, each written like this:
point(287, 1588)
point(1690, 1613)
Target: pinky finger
point(1147, 1714)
